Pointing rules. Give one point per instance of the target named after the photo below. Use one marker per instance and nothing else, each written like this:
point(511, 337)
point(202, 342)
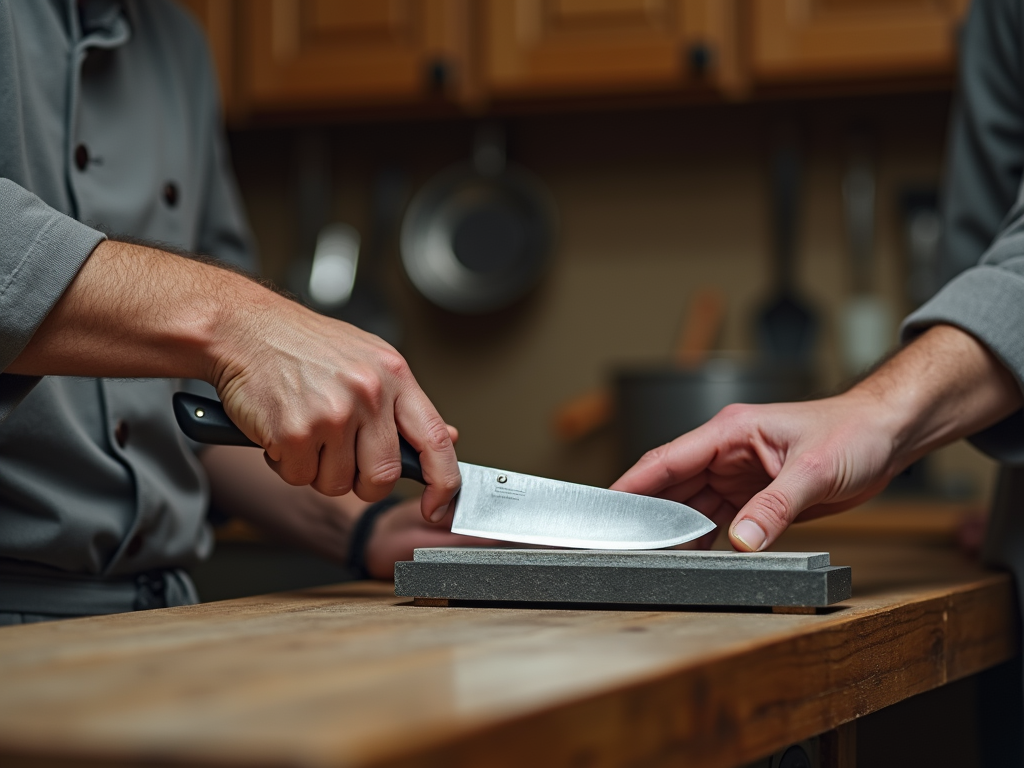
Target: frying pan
point(479, 236)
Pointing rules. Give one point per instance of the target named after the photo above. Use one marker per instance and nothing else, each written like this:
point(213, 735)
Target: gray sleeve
point(983, 211)
point(41, 251)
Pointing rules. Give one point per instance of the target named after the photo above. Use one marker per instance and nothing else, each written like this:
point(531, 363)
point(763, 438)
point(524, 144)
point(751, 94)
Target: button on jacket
point(109, 125)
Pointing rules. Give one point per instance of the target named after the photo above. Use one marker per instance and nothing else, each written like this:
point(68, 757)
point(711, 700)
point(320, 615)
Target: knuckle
point(656, 455)
point(368, 388)
point(338, 418)
point(328, 488)
point(297, 475)
point(735, 412)
point(659, 458)
point(437, 435)
point(451, 482)
point(385, 474)
point(813, 465)
point(774, 507)
point(294, 434)
point(393, 363)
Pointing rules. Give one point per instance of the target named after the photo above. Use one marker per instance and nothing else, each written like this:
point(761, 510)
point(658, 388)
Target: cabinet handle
point(701, 59)
point(438, 75)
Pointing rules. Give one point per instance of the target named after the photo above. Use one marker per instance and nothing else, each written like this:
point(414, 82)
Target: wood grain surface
point(353, 676)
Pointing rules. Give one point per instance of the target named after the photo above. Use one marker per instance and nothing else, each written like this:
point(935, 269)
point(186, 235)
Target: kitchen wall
point(652, 205)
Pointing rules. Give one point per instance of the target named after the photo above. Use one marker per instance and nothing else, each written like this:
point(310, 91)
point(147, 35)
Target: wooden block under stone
point(660, 577)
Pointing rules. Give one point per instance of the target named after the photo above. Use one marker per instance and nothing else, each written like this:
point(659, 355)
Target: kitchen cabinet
point(278, 57)
point(328, 53)
point(813, 40)
point(544, 47)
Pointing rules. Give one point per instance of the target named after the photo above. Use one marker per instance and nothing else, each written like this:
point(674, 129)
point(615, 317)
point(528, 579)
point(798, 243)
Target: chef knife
point(509, 506)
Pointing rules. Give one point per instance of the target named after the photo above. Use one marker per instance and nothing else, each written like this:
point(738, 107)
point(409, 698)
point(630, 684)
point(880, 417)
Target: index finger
point(420, 423)
point(670, 464)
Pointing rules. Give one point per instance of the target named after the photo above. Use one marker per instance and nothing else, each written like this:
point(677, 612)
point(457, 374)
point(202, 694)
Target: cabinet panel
point(822, 39)
point(324, 53)
point(537, 47)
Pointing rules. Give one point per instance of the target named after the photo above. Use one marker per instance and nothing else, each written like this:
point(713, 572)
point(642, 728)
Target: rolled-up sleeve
point(41, 251)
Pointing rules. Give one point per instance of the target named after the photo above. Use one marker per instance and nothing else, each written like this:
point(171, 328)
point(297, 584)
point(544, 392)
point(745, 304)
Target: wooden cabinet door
point(337, 53)
point(837, 39)
point(538, 47)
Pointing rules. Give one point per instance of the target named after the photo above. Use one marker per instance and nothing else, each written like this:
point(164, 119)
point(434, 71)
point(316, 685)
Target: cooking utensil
point(588, 412)
point(510, 506)
point(368, 307)
point(867, 325)
point(922, 227)
point(656, 405)
point(479, 236)
point(787, 326)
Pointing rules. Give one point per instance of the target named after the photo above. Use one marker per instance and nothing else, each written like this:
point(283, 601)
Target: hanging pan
point(479, 236)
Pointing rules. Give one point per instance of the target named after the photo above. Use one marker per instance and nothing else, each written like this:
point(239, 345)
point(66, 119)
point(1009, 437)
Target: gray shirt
point(109, 125)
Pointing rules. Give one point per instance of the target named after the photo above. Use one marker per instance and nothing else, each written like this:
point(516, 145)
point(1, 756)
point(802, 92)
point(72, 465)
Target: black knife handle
point(205, 421)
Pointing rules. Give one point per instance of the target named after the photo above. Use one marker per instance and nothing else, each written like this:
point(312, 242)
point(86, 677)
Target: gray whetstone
point(663, 577)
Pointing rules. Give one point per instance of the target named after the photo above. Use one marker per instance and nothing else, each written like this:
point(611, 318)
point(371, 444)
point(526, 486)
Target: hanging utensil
point(787, 327)
point(479, 236)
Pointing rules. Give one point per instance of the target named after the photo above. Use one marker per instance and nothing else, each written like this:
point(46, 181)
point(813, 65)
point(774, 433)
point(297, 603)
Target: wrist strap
point(361, 533)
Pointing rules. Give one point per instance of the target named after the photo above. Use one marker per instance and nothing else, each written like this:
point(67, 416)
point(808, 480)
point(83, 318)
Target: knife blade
point(510, 506)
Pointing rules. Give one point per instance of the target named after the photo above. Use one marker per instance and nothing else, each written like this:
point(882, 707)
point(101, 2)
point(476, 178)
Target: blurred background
point(588, 224)
point(669, 146)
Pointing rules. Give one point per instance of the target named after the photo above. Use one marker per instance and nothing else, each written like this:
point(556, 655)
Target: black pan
point(479, 236)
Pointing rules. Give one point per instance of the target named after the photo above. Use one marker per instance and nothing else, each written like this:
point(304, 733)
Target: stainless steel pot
point(656, 405)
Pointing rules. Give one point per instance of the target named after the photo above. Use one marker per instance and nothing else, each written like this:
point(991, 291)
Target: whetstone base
point(788, 582)
point(793, 609)
point(431, 602)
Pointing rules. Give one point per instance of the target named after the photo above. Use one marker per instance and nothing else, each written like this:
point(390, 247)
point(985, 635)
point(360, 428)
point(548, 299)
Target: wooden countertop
point(353, 676)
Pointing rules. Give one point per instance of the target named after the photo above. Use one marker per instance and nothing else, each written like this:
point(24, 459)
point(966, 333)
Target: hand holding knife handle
point(205, 421)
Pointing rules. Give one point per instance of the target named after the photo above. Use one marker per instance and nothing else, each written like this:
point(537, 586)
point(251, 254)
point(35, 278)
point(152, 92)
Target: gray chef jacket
point(984, 225)
point(109, 125)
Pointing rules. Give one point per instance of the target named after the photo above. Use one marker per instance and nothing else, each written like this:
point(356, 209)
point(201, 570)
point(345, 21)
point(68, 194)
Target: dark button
point(121, 432)
point(171, 194)
point(81, 156)
point(135, 545)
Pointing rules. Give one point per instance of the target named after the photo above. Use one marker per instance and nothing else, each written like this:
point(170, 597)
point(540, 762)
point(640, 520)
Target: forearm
point(243, 486)
point(139, 311)
point(325, 400)
point(942, 387)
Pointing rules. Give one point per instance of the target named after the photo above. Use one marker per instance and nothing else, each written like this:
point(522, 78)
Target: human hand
point(764, 466)
point(401, 529)
point(327, 402)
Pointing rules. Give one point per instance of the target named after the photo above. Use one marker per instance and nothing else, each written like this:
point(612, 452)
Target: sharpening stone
point(656, 577)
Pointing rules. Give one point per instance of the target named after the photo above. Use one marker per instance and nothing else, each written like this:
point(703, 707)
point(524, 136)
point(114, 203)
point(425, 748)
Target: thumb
point(763, 519)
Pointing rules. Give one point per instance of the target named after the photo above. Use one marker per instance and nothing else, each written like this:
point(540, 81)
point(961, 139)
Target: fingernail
point(437, 514)
point(750, 534)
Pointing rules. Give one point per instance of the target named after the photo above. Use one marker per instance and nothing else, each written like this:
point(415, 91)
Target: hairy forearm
point(243, 486)
point(942, 387)
point(326, 400)
point(138, 311)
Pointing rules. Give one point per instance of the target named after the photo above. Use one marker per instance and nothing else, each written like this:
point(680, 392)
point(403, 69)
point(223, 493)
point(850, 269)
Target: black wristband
point(361, 533)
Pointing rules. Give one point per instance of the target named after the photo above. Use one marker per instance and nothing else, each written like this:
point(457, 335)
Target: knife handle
point(205, 421)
